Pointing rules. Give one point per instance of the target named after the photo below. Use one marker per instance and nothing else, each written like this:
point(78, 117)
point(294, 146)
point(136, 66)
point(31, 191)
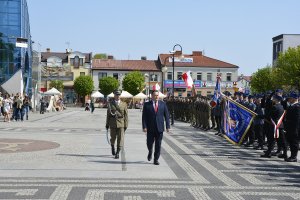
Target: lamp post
point(163, 70)
point(173, 66)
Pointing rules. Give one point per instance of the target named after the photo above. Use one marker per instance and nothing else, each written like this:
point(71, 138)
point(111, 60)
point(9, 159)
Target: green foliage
point(58, 84)
point(100, 56)
point(108, 84)
point(134, 82)
point(288, 68)
point(83, 85)
point(263, 80)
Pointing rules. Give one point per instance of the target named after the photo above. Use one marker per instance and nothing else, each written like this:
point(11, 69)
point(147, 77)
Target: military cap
point(245, 95)
point(250, 97)
point(279, 90)
point(293, 95)
point(236, 93)
point(277, 97)
point(117, 92)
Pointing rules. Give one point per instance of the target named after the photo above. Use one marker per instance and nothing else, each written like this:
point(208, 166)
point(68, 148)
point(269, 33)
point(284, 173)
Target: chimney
point(48, 50)
point(197, 53)
point(110, 57)
point(143, 58)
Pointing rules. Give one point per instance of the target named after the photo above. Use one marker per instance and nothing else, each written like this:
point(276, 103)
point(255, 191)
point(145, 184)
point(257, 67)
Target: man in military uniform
point(117, 121)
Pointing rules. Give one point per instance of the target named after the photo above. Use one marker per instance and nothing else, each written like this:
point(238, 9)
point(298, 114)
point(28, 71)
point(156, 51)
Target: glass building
point(14, 26)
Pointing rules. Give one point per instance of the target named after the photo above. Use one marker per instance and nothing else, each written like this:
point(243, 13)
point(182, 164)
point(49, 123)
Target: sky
point(235, 31)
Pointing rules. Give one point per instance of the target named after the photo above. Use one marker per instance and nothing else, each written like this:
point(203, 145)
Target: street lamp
point(173, 66)
point(163, 70)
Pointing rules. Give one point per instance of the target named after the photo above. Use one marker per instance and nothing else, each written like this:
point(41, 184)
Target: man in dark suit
point(155, 112)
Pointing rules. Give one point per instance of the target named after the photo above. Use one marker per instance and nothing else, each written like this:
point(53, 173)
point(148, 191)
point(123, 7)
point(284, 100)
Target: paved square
point(194, 164)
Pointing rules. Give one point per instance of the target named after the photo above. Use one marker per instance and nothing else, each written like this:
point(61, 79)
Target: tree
point(108, 84)
point(263, 80)
point(58, 84)
point(288, 68)
point(134, 82)
point(100, 56)
point(83, 85)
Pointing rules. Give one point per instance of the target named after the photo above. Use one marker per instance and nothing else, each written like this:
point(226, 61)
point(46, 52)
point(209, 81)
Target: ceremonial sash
point(276, 126)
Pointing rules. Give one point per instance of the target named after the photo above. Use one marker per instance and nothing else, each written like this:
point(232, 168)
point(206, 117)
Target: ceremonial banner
point(237, 120)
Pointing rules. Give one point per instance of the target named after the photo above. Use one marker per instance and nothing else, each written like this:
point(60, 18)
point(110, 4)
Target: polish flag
point(156, 87)
point(188, 79)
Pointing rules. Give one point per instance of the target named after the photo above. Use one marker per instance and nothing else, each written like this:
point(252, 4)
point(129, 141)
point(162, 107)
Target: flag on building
point(156, 87)
point(188, 79)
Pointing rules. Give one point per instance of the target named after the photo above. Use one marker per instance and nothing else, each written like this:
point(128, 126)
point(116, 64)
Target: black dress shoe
point(266, 156)
point(290, 159)
point(282, 156)
point(149, 157)
point(156, 162)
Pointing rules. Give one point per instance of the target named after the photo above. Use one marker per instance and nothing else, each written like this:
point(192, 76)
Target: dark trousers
point(218, 122)
point(258, 129)
point(154, 138)
point(213, 120)
point(282, 143)
point(270, 138)
point(293, 141)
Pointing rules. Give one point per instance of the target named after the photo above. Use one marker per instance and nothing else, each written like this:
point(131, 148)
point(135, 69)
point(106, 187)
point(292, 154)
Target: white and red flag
point(156, 87)
point(188, 79)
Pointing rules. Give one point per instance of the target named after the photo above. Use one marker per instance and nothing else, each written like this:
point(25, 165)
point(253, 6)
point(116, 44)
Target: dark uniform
point(275, 114)
point(292, 129)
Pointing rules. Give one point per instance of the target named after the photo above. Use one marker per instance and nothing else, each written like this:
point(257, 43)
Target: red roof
point(199, 60)
point(125, 65)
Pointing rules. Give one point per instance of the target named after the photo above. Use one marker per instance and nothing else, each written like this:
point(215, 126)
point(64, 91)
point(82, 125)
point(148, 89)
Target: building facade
point(282, 42)
point(66, 66)
point(204, 71)
point(15, 29)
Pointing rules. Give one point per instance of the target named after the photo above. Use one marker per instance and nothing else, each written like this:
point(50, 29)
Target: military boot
point(113, 150)
point(117, 153)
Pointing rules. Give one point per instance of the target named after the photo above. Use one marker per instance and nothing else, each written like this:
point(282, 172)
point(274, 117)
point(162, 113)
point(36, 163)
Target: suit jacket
point(154, 122)
point(292, 118)
point(276, 112)
point(117, 115)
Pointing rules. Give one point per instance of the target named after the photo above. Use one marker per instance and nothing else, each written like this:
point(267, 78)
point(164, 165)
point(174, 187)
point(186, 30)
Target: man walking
point(117, 121)
point(155, 112)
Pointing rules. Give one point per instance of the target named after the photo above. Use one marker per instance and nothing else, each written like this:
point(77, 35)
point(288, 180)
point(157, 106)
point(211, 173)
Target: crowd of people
point(14, 107)
point(272, 109)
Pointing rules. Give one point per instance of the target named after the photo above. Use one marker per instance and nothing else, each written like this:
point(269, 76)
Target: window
point(101, 75)
point(169, 76)
point(116, 76)
point(82, 73)
point(199, 76)
point(179, 75)
point(228, 76)
point(208, 93)
point(76, 62)
point(209, 77)
point(153, 77)
point(81, 62)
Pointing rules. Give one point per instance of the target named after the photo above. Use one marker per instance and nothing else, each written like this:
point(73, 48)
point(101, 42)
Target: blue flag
point(237, 120)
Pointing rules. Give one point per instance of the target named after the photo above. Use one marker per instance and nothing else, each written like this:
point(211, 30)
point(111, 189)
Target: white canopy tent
point(97, 95)
point(124, 94)
point(52, 91)
point(140, 96)
point(161, 95)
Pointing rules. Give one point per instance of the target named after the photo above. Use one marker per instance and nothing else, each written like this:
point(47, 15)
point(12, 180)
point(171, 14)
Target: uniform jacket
point(117, 115)
point(276, 112)
point(154, 122)
point(292, 120)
